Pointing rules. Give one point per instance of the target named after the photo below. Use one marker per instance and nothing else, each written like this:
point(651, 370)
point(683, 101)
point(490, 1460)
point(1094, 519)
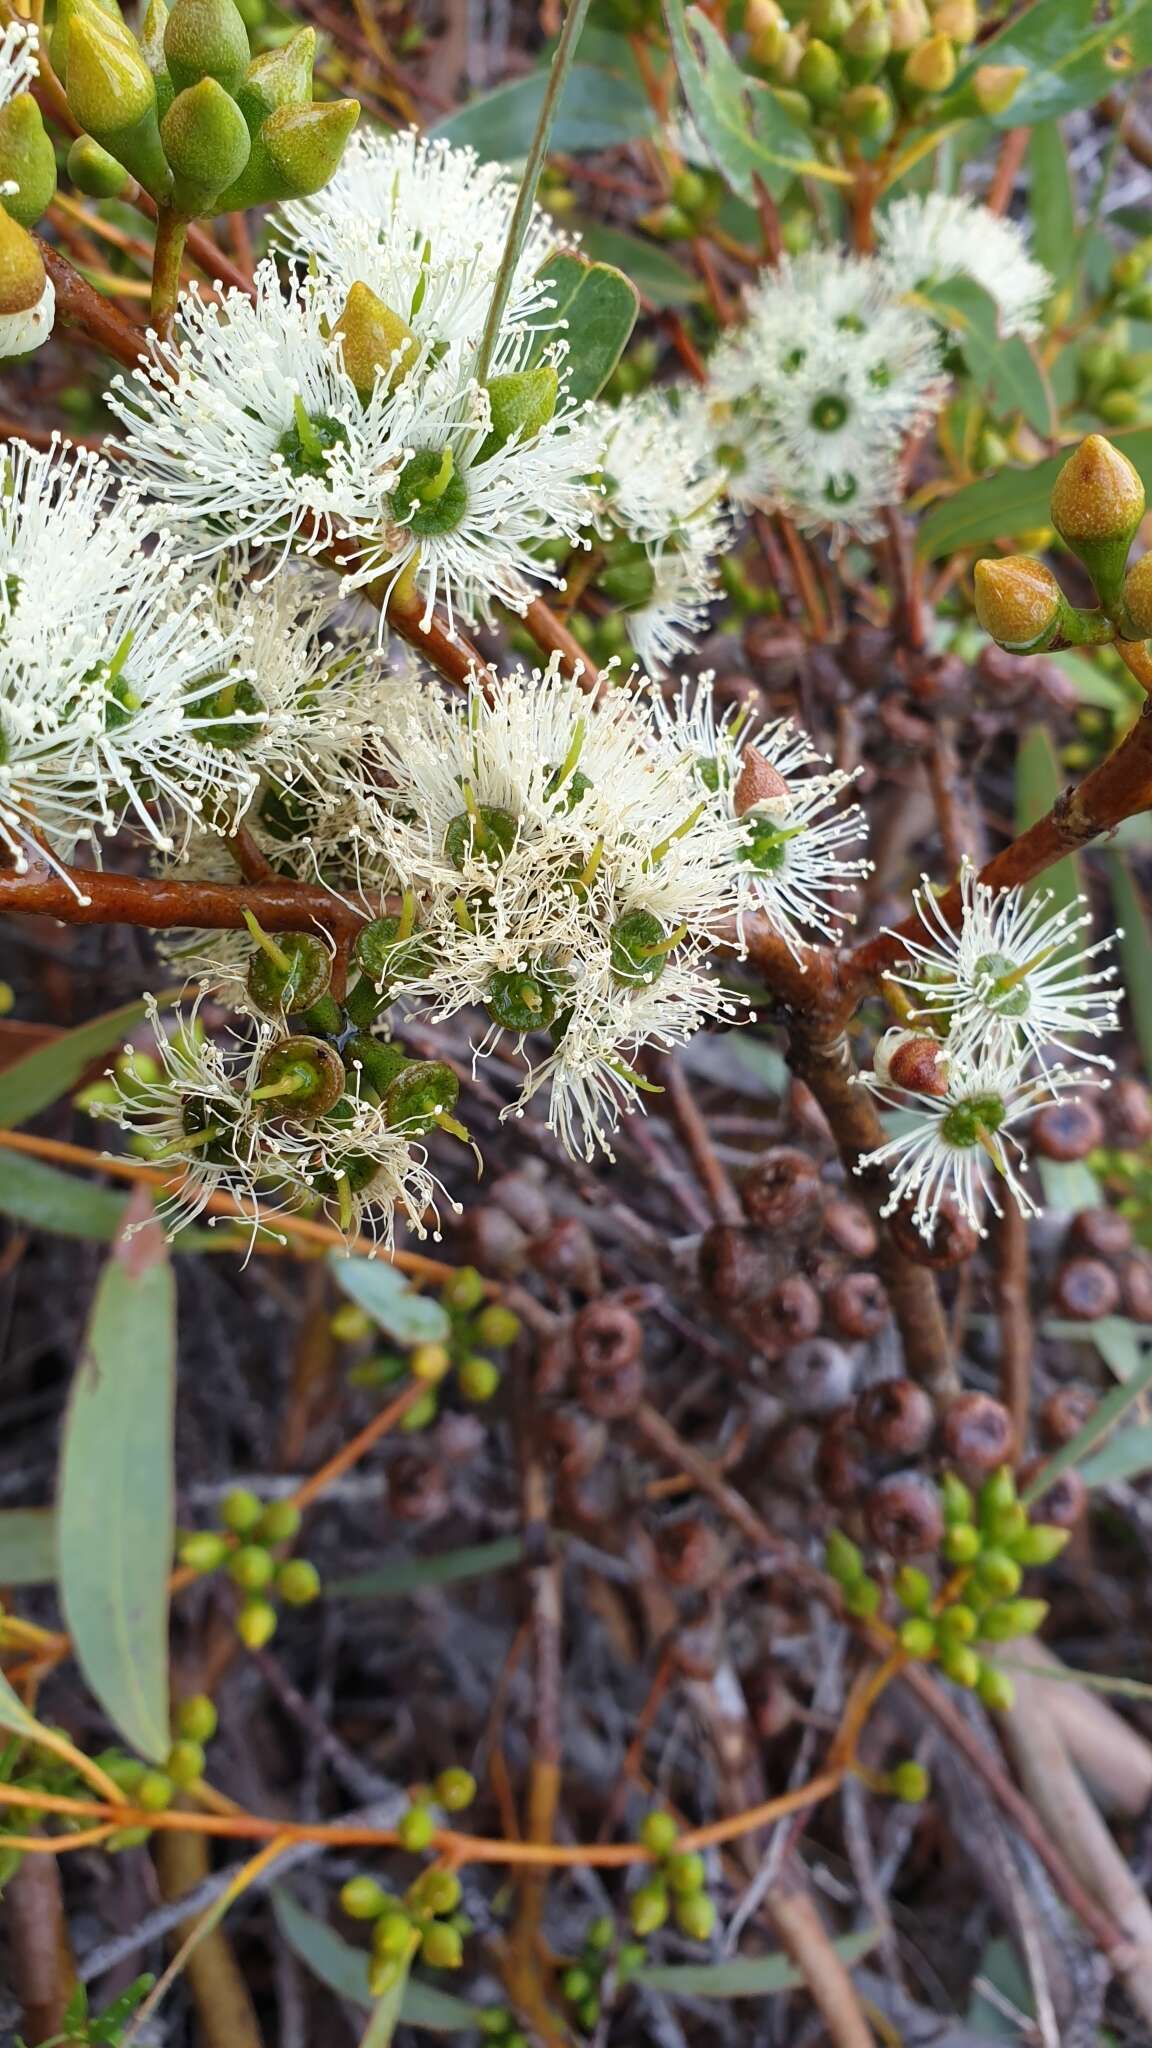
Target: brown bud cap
point(417, 1488)
point(850, 1228)
point(758, 784)
point(1062, 1503)
point(896, 1417)
point(606, 1337)
point(977, 1434)
point(1136, 1286)
point(492, 1242)
point(1018, 602)
point(524, 1199)
point(842, 1471)
point(858, 1306)
point(1098, 495)
point(690, 1552)
point(904, 1515)
point(1066, 1130)
point(815, 1377)
point(1129, 1112)
point(1086, 1289)
point(953, 1238)
point(1063, 1415)
point(1137, 599)
point(782, 1190)
point(913, 1060)
point(734, 1264)
point(1104, 1233)
point(567, 1255)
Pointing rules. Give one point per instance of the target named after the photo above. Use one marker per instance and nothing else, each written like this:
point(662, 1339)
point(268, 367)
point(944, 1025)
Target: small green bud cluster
point(1097, 505)
point(1112, 379)
point(498, 2024)
point(581, 1982)
point(475, 1327)
point(693, 198)
point(427, 1921)
point(32, 1772)
point(126, 1081)
point(247, 1546)
point(1130, 281)
point(676, 1886)
point(185, 110)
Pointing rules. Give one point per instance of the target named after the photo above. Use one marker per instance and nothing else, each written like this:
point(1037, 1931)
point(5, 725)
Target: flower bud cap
point(22, 274)
point(206, 142)
point(931, 67)
point(1097, 504)
point(206, 39)
point(305, 144)
point(278, 78)
point(27, 160)
point(521, 402)
point(913, 1060)
point(1018, 602)
point(110, 87)
point(995, 86)
point(374, 341)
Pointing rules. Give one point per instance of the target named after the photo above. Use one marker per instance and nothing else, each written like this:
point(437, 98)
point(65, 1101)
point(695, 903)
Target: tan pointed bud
point(911, 1060)
point(206, 142)
point(759, 785)
point(908, 24)
point(1018, 602)
point(761, 14)
point(22, 273)
point(1137, 600)
point(959, 20)
point(931, 67)
point(206, 39)
point(95, 173)
point(1097, 504)
point(374, 341)
point(995, 86)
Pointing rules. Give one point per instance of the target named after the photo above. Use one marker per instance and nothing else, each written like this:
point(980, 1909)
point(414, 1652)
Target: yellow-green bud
point(819, 74)
point(960, 1664)
point(913, 1588)
point(478, 1378)
point(196, 1718)
point(298, 1582)
point(251, 1567)
point(349, 1324)
point(910, 1782)
point(393, 1934)
point(867, 42)
point(918, 1636)
point(112, 94)
point(463, 1290)
point(957, 1624)
point(648, 1907)
point(787, 60)
point(1120, 407)
point(27, 160)
point(996, 1689)
point(1097, 504)
point(66, 12)
point(295, 152)
point(1013, 1618)
point(997, 1573)
point(363, 1899)
point(956, 1498)
point(206, 39)
point(278, 78)
point(497, 1325)
point(441, 1946)
point(279, 1523)
point(206, 143)
point(205, 1551)
point(828, 18)
point(154, 1792)
point(1018, 602)
point(842, 1559)
point(383, 1974)
point(240, 1510)
point(435, 1891)
point(185, 1762)
point(696, 1916)
point(520, 403)
point(22, 274)
point(151, 41)
point(997, 1494)
point(455, 1789)
point(375, 342)
point(685, 1872)
point(421, 1414)
point(1136, 600)
point(930, 67)
point(995, 86)
point(416, 1827)
point(659, 1833)
point(256, 1623)
point(862, 1599)
point(908, 24)
point(430, 1362)
point(957, 19)
point(95, 172)
point(868, 110)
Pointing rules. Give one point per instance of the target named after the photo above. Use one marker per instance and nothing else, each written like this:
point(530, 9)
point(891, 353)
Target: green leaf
point(745, 127)
point(598, 110)
point(1117, 1340)
point(405, 1575)
point(657, 275)
point(386, 2014)
point(1093, 686)
point(1038, 784)
point(115, 1515)
point(345, 1971)
point(1124, 1456)
point(13, 1713)
point(43, 1198)
point(1068, 1184)
point(1099, 1425)
point(1013, 501)
point(1053, 202)
point(49, 1072)
point(745, 1976)
point(27, 1547)
point(1065, 48)
point(1135, 950)
point(382, 1291)
point(599, 306)
point(1005, 371)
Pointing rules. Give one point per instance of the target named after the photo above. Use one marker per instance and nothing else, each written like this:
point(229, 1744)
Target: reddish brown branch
point(78, 306)
point(162, 904)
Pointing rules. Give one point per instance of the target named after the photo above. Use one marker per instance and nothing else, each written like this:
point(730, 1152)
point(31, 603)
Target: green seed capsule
point(416, 1828)
point(289, 974)
point(185, 1762)
point(196, 1718)
point(280, 1523)
point(659, 1833)
point(455, 1789)
point(240, 1511)
point(252, 1567)
point(486, 833)
point(520, 1000)
point(363, 1899)
point(300, 1078)
point(298, 1582)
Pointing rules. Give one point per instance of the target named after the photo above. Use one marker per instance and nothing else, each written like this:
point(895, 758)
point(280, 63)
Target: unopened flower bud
point(455, 1789)
point(1018, 602)
point(659, 1832)
point(298, 1582)
point(1039, 1543)
point(280, 77)
point(441, 1946)
point(1097, 504)
point(1136, 600)
point(185, 1762)
point(995, 1689)
point(206, 143)
point(95, 172)
point(375, 343)
point(819, 75)
point(867, 42)
point(203, 1552)
point(827, 18)
point(112, 94)
point(918, 1637)
point(995, 86)
point(521, 402)
point(648, 1907)
point(256, 1623)
point(196, 1718)
point(27, 160)
point(959, 20)
point(251, 1567)
point(931, 67)
point(908, 24)
point(206, 39)
point(867, 110)
point(1012, 1618)
point(696, 1916)
point(363, 1899)
point(910, 1782)
point(22, 273)
point(295, 152)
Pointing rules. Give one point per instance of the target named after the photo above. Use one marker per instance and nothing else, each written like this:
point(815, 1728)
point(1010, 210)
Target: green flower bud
point(206, 143)
point(959, 20)
point(957, 1624)
point(659, 1833)
point(393, 1934)
point(868, 111)
point(648, 1906)
point(94, 172)
point(430, 1362)
point(27, 160)
point(1136, 601)
point(867, 43)
point(298, 1582)
point(696, 1916)
point(256, 1623)
point(1012, 1618)
point(127, 1772)
point(441, 1947)
point(685, 1872)
point(240, 1510)
point(960, 1664)
point(994, 87)
point(908, 24)
point(1019, 602)
point(910, 1782)
point(918, 1636)
point(294, 153)
point(497, 1325)
point(416, 1827)
point(151, 41)
point(996, 1689)
point(601, 1934)
point(575, 1984)
point(455, 1789)
point(828, 19)
point(300, 1078)
point(464, 1290)
point(1002, 1528)
point(435, 1891)
point(862, 1599)
point(520, 403)
point(956, 1498)
point(819, 74)
point(203, 1552)
point(280, 1522)
point(690, 191)
point(383, 1975)
point(278, 78)
point(122, 1838)
point(478, 1379)
point(112, 94)
point(376, 344)
point(842, 1559)
point(66, 12)
point(196, 1718)
point(1097, 504)
point(1119, 407)
point(997, 1573)
point(154, 1792)
point(913, 1588)
point(363, 1899)
point(185, 1762)
point(997, 1494)
point(22, 275)
point(251, 1567)
point(207, 39)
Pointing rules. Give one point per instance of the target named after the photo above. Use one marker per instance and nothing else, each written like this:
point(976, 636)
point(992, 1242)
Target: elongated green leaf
point(598, 305)
point(1072, 53)
point(115, 1516)
point(1124, 1456)
point(1053, 202)
point(14, 1714)
point(344, 1970)
point(1135, 950)
point(1004, 370)
point(1093, 686)
point(1013, 501)
point(27, 1547)
point(599, 108)
point(403, 1575)
point(49, 1072)
point(1117, 1340)
point(745, 127)
point(1038, 784)
point(745, 1976)
point(43, 1198)
point(657, 275)
point(1103, 1418)
point(382, 1291)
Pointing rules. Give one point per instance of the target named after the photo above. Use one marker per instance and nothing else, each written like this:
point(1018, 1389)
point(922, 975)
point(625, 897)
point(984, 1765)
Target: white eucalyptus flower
point(837, 374)
point(20, 333)
point(1013, 976)
point(19, 59)
point(926, 239)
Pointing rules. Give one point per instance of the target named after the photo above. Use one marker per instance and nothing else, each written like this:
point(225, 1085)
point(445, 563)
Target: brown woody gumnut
point(1128, 1108)
point(757, 783)
point(577, 1442)
point(734, 1264)
point(1063, 1502)
point(774, 652)
point(787, 1314)
point(690, 1552)
point(567, 1256)
point(896, 1417)
point(1136, 1285)
point(782, 1190)
point(417, 1488)
point(904, 1515)
point(493, 1242)
point(850, 1228)
point(791, 1457)
point(866, 655)
point(610, 1391)
point(857, 1306)
point(521, 1196)
point(1086, 1289)
point(606, 1336)
point(953, 1238)
point(977, 1433)
point(815, 1377)
point(842, 1470)
point(1105, 1233)
point(1063, 1415)
point(1066, 1130)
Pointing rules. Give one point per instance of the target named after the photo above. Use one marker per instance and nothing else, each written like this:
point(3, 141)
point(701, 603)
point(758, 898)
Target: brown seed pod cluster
point(1101, 1272)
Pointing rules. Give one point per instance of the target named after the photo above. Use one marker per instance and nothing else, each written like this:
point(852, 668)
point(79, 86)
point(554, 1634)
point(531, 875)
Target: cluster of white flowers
point(990, 1000)
point(925, 240)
